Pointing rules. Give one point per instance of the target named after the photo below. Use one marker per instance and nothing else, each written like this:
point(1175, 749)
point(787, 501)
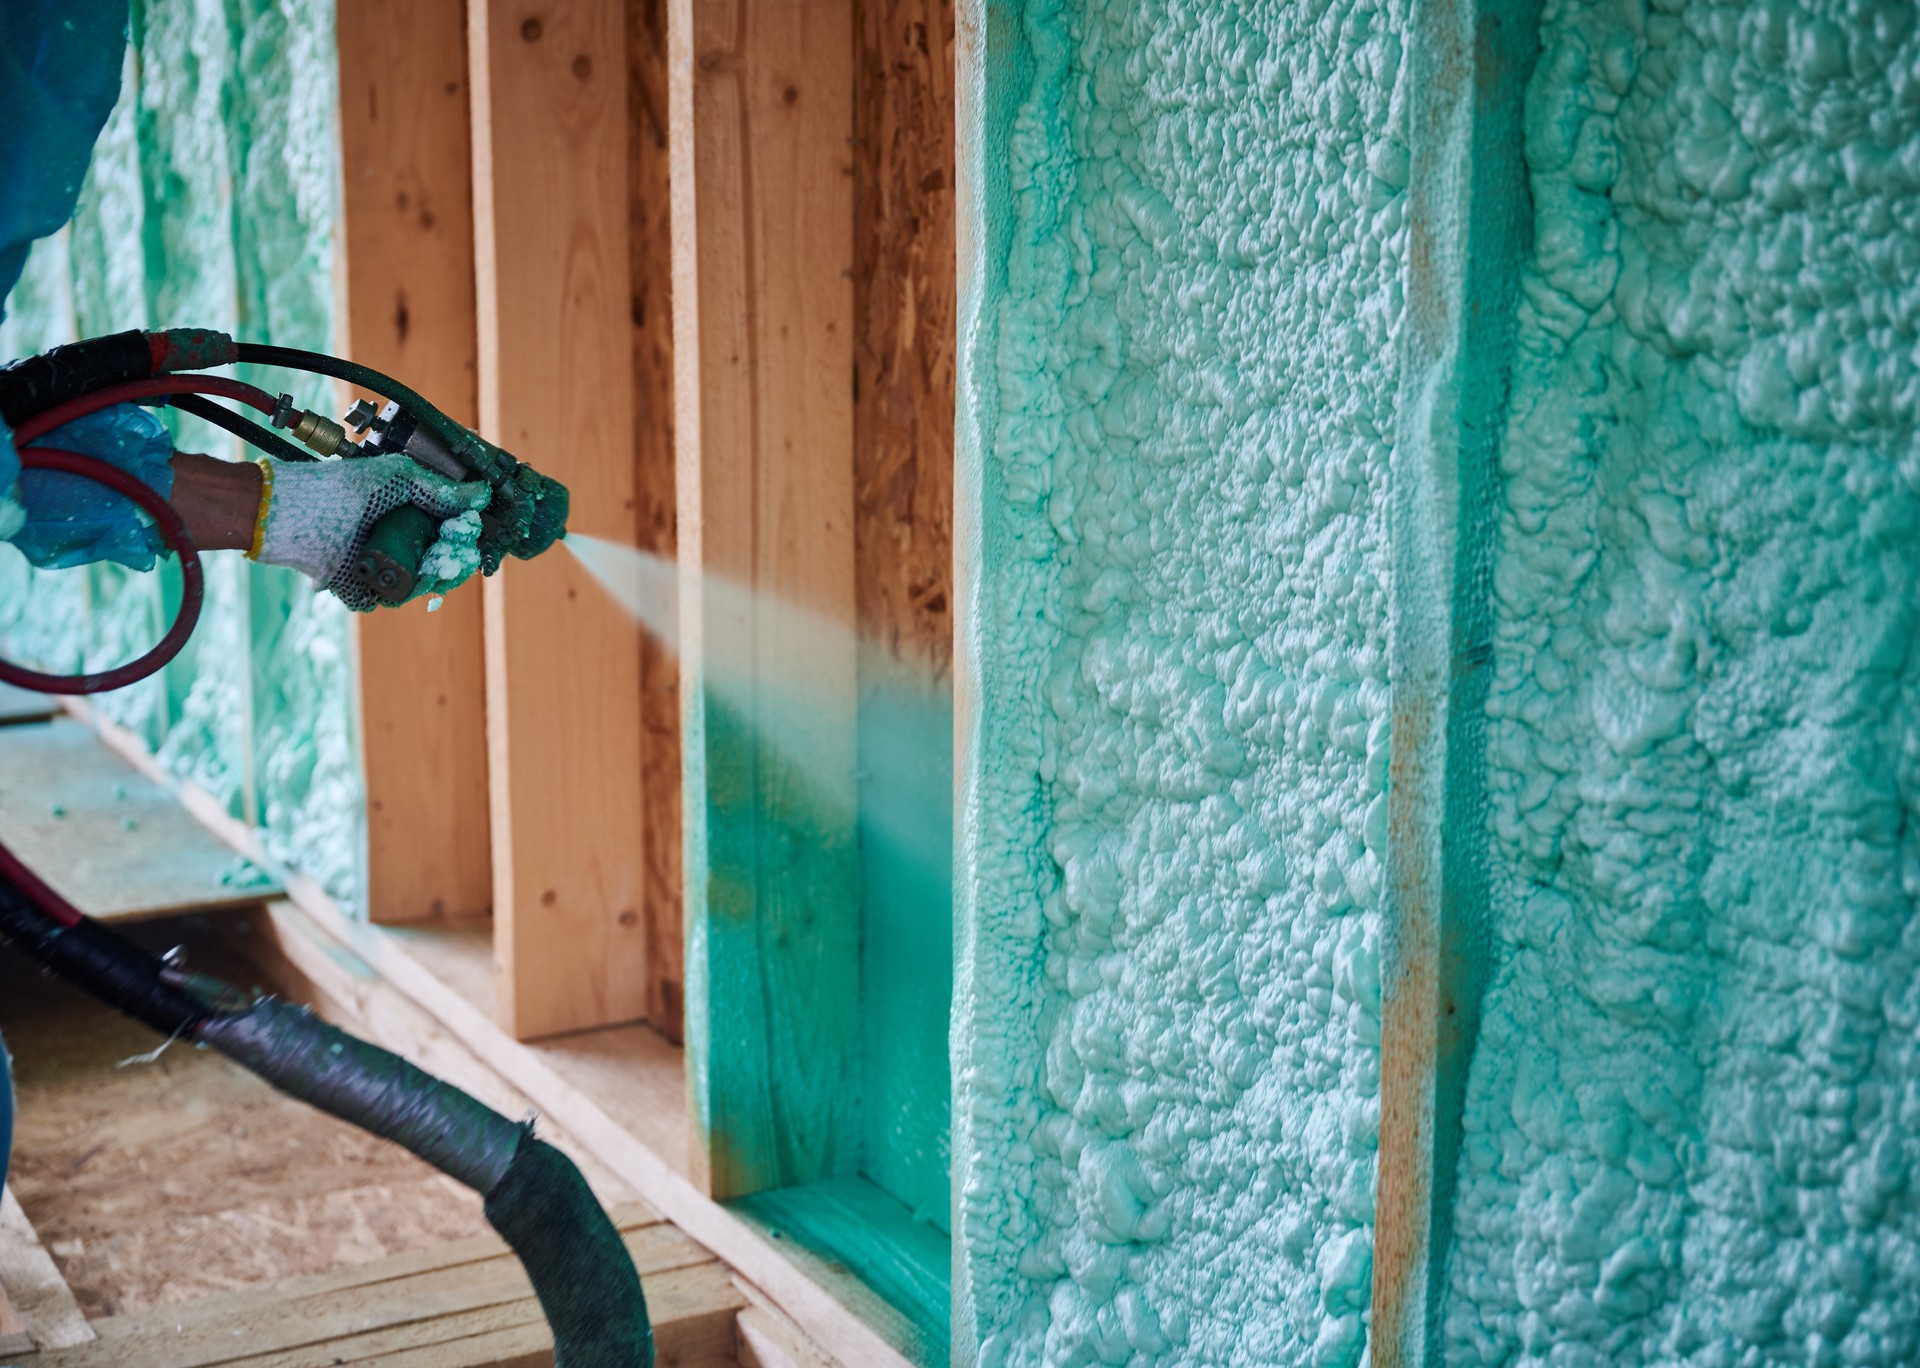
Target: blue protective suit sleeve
point(59, 76)
point(60, 66)
point(72, 521)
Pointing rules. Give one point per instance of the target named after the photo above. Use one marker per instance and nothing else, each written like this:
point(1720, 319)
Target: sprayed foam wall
point(1692, 1117)
point(1177, 382)
point(211, 201)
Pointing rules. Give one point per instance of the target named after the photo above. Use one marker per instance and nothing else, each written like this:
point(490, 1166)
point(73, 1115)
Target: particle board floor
point(111, 840)
point(202, 1219)
point(176, 1212)
point(155, 1183)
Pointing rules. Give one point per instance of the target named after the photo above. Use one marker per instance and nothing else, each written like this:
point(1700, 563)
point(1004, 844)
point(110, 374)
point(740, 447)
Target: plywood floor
point(166, 1181)
point(462, 1305)
point(107, 837)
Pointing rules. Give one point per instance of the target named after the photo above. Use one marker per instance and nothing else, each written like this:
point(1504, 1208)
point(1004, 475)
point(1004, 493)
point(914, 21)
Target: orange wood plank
point(407, 247)
point(556, 387)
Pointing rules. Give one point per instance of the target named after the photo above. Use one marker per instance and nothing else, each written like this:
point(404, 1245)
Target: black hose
point(534, 1195)
point(366, 377)
point(100, 961)
point(35, 384)
point(264, 439)
point(373, 1088)
point(575, 1258)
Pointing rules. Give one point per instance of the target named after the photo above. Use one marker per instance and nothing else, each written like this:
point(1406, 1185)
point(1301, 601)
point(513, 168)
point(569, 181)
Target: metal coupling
point(313, 430)
point(319, 433)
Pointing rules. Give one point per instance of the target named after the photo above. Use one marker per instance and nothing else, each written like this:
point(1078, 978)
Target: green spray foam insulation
point(1688, 1132)
point(903, 814)
point(1176, 397)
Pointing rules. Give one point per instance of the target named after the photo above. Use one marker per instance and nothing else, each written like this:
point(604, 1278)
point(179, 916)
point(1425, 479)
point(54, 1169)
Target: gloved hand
point(315, 517)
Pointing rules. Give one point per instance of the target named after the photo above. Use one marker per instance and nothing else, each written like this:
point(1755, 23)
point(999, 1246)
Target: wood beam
point(40, 1302)
point(1468, 219)
point(407, 309)
point(556, 387)
point(650, 254)
point(760, 125)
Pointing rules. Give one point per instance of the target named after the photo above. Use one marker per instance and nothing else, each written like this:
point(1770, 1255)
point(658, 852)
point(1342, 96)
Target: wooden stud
point(407, 309)
point(556, 387)
point(905, 311)
point(760, 122)
point(1467, 220)
point(650, 256)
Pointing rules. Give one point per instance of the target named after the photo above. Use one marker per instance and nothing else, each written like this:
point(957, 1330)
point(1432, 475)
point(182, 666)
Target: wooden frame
point(407, 309)
point(1456, 347)
point(650, 252)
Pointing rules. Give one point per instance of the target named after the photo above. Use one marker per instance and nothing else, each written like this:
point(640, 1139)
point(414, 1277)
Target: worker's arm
point(65, 521)
point(219, 501)
point(310, 516)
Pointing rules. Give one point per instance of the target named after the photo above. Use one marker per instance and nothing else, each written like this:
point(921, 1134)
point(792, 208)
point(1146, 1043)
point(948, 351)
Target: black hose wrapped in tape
point(100, 961)
point(535, 1196)
point(325, 1067)
point(36, 383)
point(578, 1264)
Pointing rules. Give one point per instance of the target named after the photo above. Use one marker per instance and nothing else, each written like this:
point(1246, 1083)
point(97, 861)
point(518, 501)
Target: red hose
point(108, 395)
point(172, 530)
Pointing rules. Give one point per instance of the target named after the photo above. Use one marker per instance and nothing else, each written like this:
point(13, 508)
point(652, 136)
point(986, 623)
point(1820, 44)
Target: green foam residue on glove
point(454, 555)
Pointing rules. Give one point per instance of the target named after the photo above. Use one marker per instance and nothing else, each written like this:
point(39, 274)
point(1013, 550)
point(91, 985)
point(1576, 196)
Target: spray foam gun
point(526, 515)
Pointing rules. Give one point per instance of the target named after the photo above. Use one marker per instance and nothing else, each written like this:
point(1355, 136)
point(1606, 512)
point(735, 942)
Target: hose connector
point(311, 429)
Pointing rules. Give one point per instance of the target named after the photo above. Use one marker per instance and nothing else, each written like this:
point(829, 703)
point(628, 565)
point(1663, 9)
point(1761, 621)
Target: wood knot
point(583, 66)
point(531, 29)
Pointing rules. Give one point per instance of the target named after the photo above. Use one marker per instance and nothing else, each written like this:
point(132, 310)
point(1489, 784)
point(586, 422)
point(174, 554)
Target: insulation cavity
point(1692, 1117)
point(1177, 383)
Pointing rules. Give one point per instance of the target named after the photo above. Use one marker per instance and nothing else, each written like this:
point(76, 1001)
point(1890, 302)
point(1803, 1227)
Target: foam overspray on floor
point(211, 202)
point(1176, 388)
point(1692, 1120)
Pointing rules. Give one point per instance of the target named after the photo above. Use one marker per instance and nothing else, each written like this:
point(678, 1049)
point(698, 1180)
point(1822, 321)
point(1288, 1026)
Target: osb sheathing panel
point(904, 304)
point(651, 271)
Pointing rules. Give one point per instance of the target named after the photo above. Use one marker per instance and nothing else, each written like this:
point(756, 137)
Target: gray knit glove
point(316, 516)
